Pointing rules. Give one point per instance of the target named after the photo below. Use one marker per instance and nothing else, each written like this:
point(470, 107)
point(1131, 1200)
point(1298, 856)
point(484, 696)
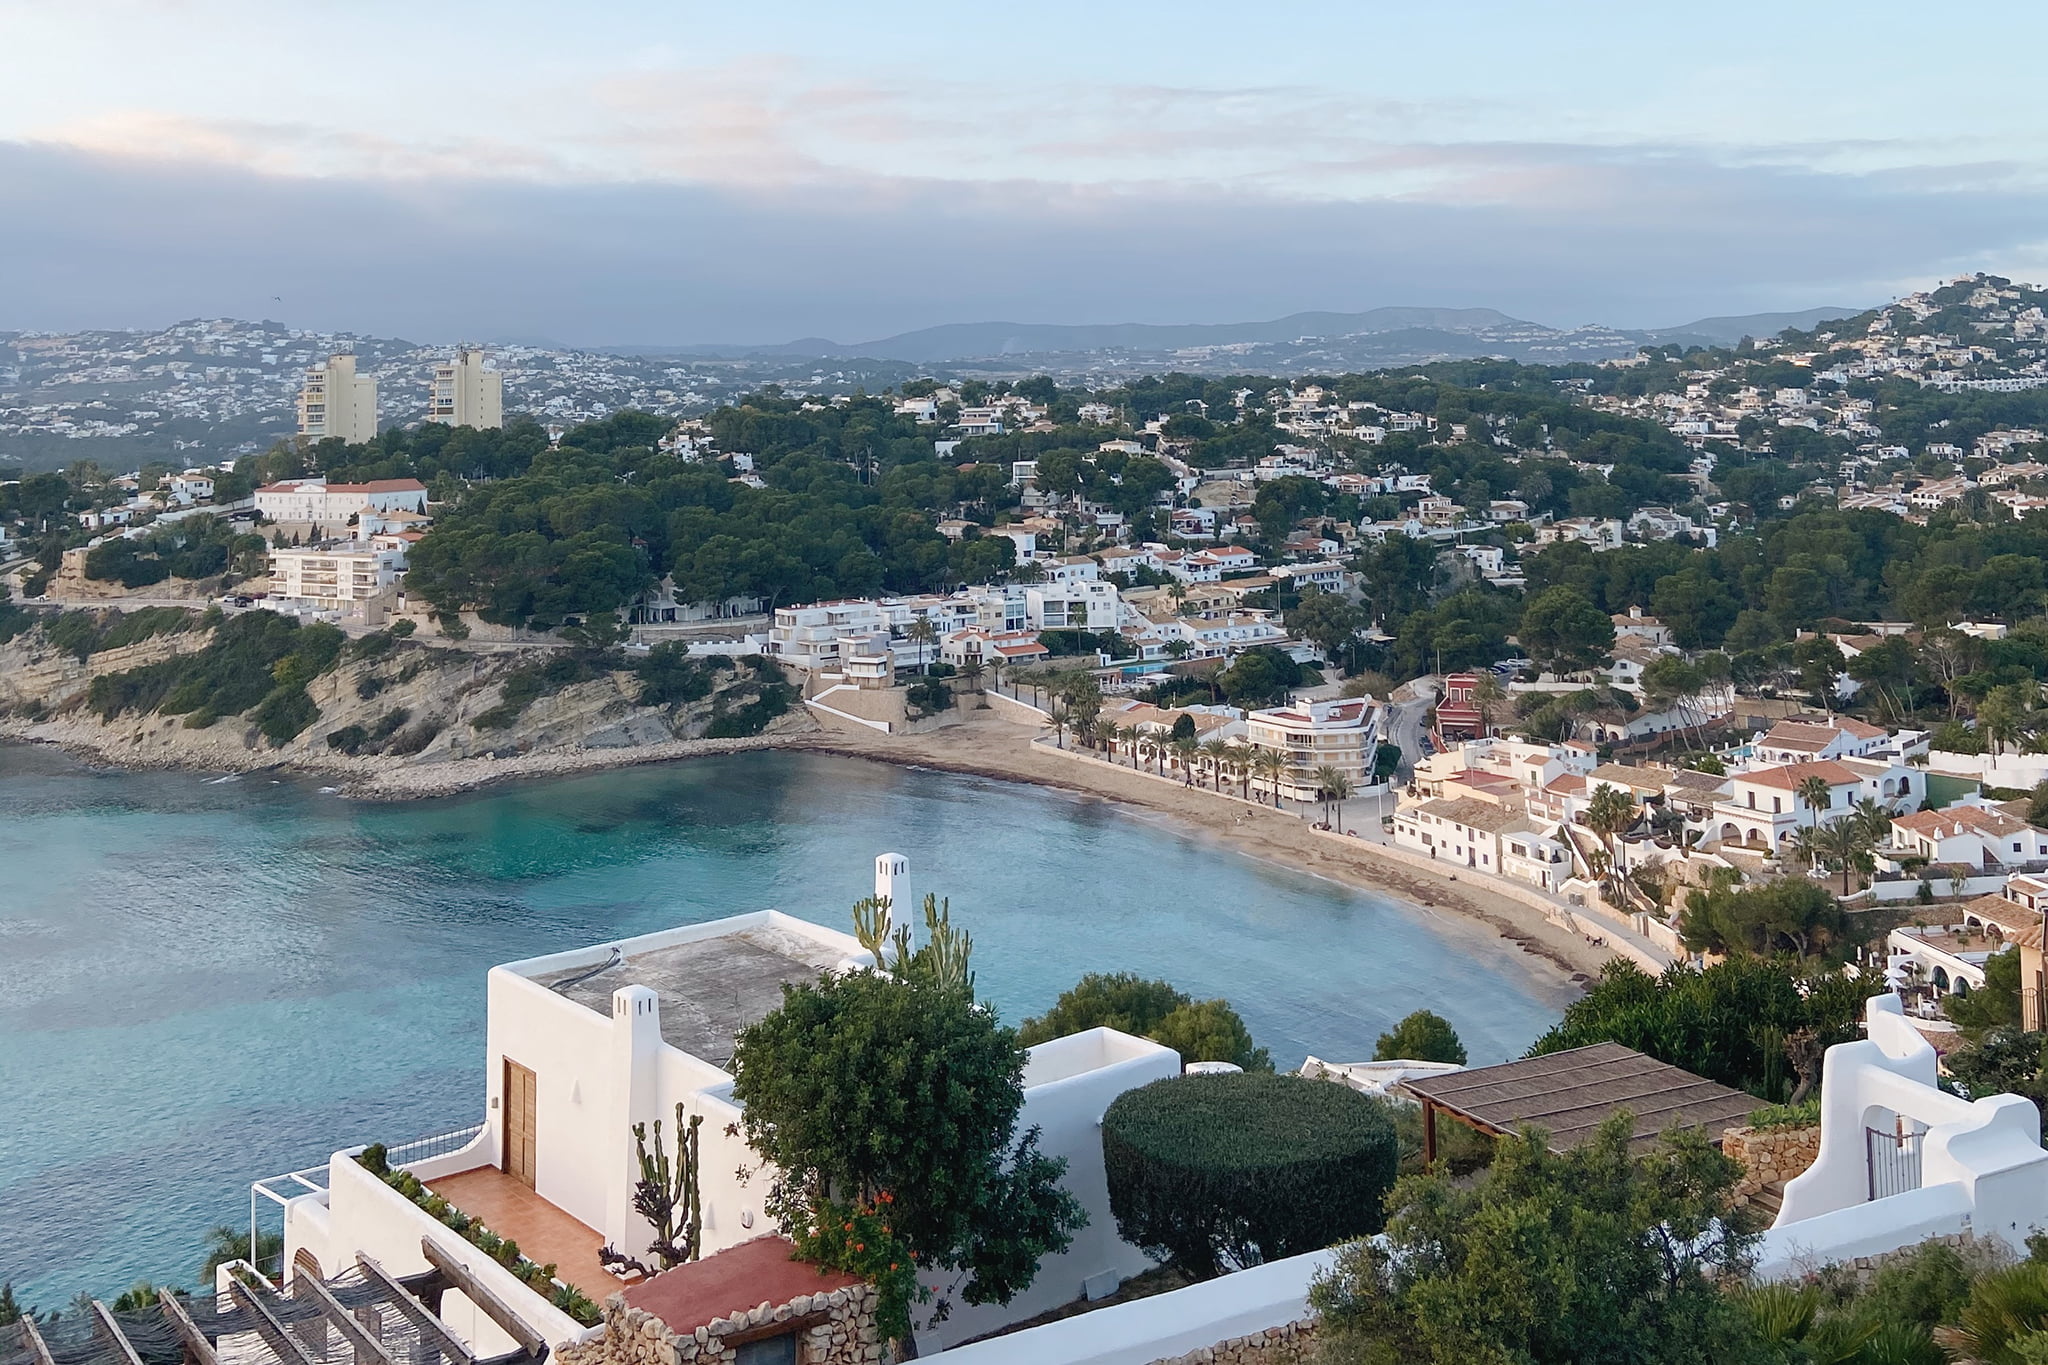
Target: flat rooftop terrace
point(710, 988)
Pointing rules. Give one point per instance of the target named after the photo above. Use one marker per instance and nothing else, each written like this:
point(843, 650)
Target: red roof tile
point(731, 1281)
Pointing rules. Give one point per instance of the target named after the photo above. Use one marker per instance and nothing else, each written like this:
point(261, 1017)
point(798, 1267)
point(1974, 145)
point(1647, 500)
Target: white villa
point(584, 1044)
point(1765, 809)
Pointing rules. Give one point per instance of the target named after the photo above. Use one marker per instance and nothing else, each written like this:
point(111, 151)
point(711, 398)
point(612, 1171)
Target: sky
point(670, 172)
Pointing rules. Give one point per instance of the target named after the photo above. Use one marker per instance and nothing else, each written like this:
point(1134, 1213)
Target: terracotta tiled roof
point(759, 1271)
point(1790, 775)
point(1945, 824)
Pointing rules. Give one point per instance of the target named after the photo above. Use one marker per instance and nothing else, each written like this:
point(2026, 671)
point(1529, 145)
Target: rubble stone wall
point(844, 1335)
point(1291, 1343)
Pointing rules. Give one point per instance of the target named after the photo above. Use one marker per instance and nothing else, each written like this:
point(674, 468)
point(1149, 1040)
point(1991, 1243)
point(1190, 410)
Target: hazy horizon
point(642, 174)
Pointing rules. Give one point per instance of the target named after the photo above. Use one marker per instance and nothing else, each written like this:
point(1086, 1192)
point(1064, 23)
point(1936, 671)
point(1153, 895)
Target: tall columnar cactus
point(667, 1194)
point(871, 924)
point(944, 955)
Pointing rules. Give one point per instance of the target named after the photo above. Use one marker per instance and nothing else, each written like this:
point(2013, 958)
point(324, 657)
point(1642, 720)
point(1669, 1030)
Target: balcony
point(545, 1233)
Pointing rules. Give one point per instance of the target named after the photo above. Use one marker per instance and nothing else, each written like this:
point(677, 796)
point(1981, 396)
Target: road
point(1407, 719)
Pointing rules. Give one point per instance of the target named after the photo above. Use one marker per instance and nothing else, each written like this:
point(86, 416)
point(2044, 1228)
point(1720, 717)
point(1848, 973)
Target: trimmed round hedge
point(1216, 1172)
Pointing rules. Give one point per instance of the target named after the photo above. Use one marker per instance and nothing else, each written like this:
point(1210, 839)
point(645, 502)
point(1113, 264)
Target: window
point(768, 1351)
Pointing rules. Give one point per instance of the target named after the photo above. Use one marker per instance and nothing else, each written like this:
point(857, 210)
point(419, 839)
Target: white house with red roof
point(1980, 836)
point(330, 504)
point(1764, 808)
point(1811, 739)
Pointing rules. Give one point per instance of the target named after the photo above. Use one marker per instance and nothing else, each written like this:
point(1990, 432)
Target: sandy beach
point(988, 746)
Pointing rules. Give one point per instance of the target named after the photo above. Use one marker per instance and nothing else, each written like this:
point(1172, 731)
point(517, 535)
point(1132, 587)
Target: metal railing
point(440, 1144)
point(313, 1180)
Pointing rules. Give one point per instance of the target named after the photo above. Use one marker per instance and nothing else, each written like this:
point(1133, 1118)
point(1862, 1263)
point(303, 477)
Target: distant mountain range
point(1380, 336)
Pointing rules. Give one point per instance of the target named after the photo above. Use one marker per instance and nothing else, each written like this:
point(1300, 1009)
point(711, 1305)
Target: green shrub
point(350, 739)
point(1805, 1114)
point(284, 713)
point(1421, 1037)
point(670, 677)
point(1199, 1030)
point(1221, 1172)
point(773, 699)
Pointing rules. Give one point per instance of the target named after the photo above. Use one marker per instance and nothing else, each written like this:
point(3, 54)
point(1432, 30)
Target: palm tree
point(1184, 750)
point(1610, 812)
point(1806, 843)
point(1336, 789)
point(1215, 751)
point(971, 669)
point(1112, 736)
point(921, 632)
point(1269, 766)
point(1241, 764)
point(1815, 794)
point(1847, 842)
point(1875, 818)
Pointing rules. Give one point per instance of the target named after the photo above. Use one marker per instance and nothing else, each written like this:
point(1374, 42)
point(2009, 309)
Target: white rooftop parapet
point(1176, 1323)
point(1980, 1163)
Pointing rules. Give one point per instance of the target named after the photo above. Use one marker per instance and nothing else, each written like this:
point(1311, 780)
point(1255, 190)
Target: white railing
point(313, 1180)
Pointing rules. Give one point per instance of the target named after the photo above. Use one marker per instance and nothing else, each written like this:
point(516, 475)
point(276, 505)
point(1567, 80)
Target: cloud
point(1559, 235)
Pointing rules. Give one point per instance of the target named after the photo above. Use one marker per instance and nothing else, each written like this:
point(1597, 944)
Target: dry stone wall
point(1291, 1343)
point(1769, 1156)
point(841, 1331)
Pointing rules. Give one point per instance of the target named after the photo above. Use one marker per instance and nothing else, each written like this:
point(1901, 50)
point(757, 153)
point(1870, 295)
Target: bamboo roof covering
point(1570, 1094)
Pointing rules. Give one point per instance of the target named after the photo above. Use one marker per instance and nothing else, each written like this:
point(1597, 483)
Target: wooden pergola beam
point(113, 1333)
point(369, 1350)
point(198, 1350)
point(282, 1343)
point(430, 1327)
point(492, 1307)
point(38, 1349)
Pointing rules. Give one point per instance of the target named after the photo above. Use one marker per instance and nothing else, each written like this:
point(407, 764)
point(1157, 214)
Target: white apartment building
point(334, 401)
point(328, 578)
point(331, 504)
point(466, 394)
point(1341, 734)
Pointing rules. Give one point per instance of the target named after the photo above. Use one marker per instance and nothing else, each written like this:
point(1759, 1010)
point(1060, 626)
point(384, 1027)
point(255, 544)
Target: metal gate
point(1893, 1158)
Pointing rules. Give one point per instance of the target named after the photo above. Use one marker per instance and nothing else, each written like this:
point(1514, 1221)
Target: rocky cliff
point(400, 716)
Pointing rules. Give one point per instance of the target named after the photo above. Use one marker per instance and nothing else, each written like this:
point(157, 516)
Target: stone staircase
point(1768, 1202)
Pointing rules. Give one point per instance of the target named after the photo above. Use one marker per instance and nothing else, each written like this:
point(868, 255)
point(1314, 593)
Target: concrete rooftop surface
point(710, 988)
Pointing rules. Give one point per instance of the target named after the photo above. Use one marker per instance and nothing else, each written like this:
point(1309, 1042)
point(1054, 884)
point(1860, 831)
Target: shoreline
point(1000, 750)
point(978, 744)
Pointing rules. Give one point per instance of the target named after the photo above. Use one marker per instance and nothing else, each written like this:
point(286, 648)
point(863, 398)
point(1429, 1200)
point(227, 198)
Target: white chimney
point(890, 869)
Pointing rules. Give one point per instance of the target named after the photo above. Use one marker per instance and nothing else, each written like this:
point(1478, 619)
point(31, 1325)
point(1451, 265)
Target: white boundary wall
point(1982, 1169)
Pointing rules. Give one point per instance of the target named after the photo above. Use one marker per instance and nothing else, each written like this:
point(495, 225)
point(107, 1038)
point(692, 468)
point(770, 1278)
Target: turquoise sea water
point(204, 983)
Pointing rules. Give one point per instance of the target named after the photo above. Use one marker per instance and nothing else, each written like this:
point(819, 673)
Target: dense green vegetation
point(1423, 1036)
point(84, 633)
point(1593, 1257)
point(258, 662)
point(196, 547)
point(849, 509)
point(1216, 1173)
point(1752, 1023)
point(1199, 1030)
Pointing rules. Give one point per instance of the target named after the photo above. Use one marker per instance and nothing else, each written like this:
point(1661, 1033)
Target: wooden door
point(519, 1123)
